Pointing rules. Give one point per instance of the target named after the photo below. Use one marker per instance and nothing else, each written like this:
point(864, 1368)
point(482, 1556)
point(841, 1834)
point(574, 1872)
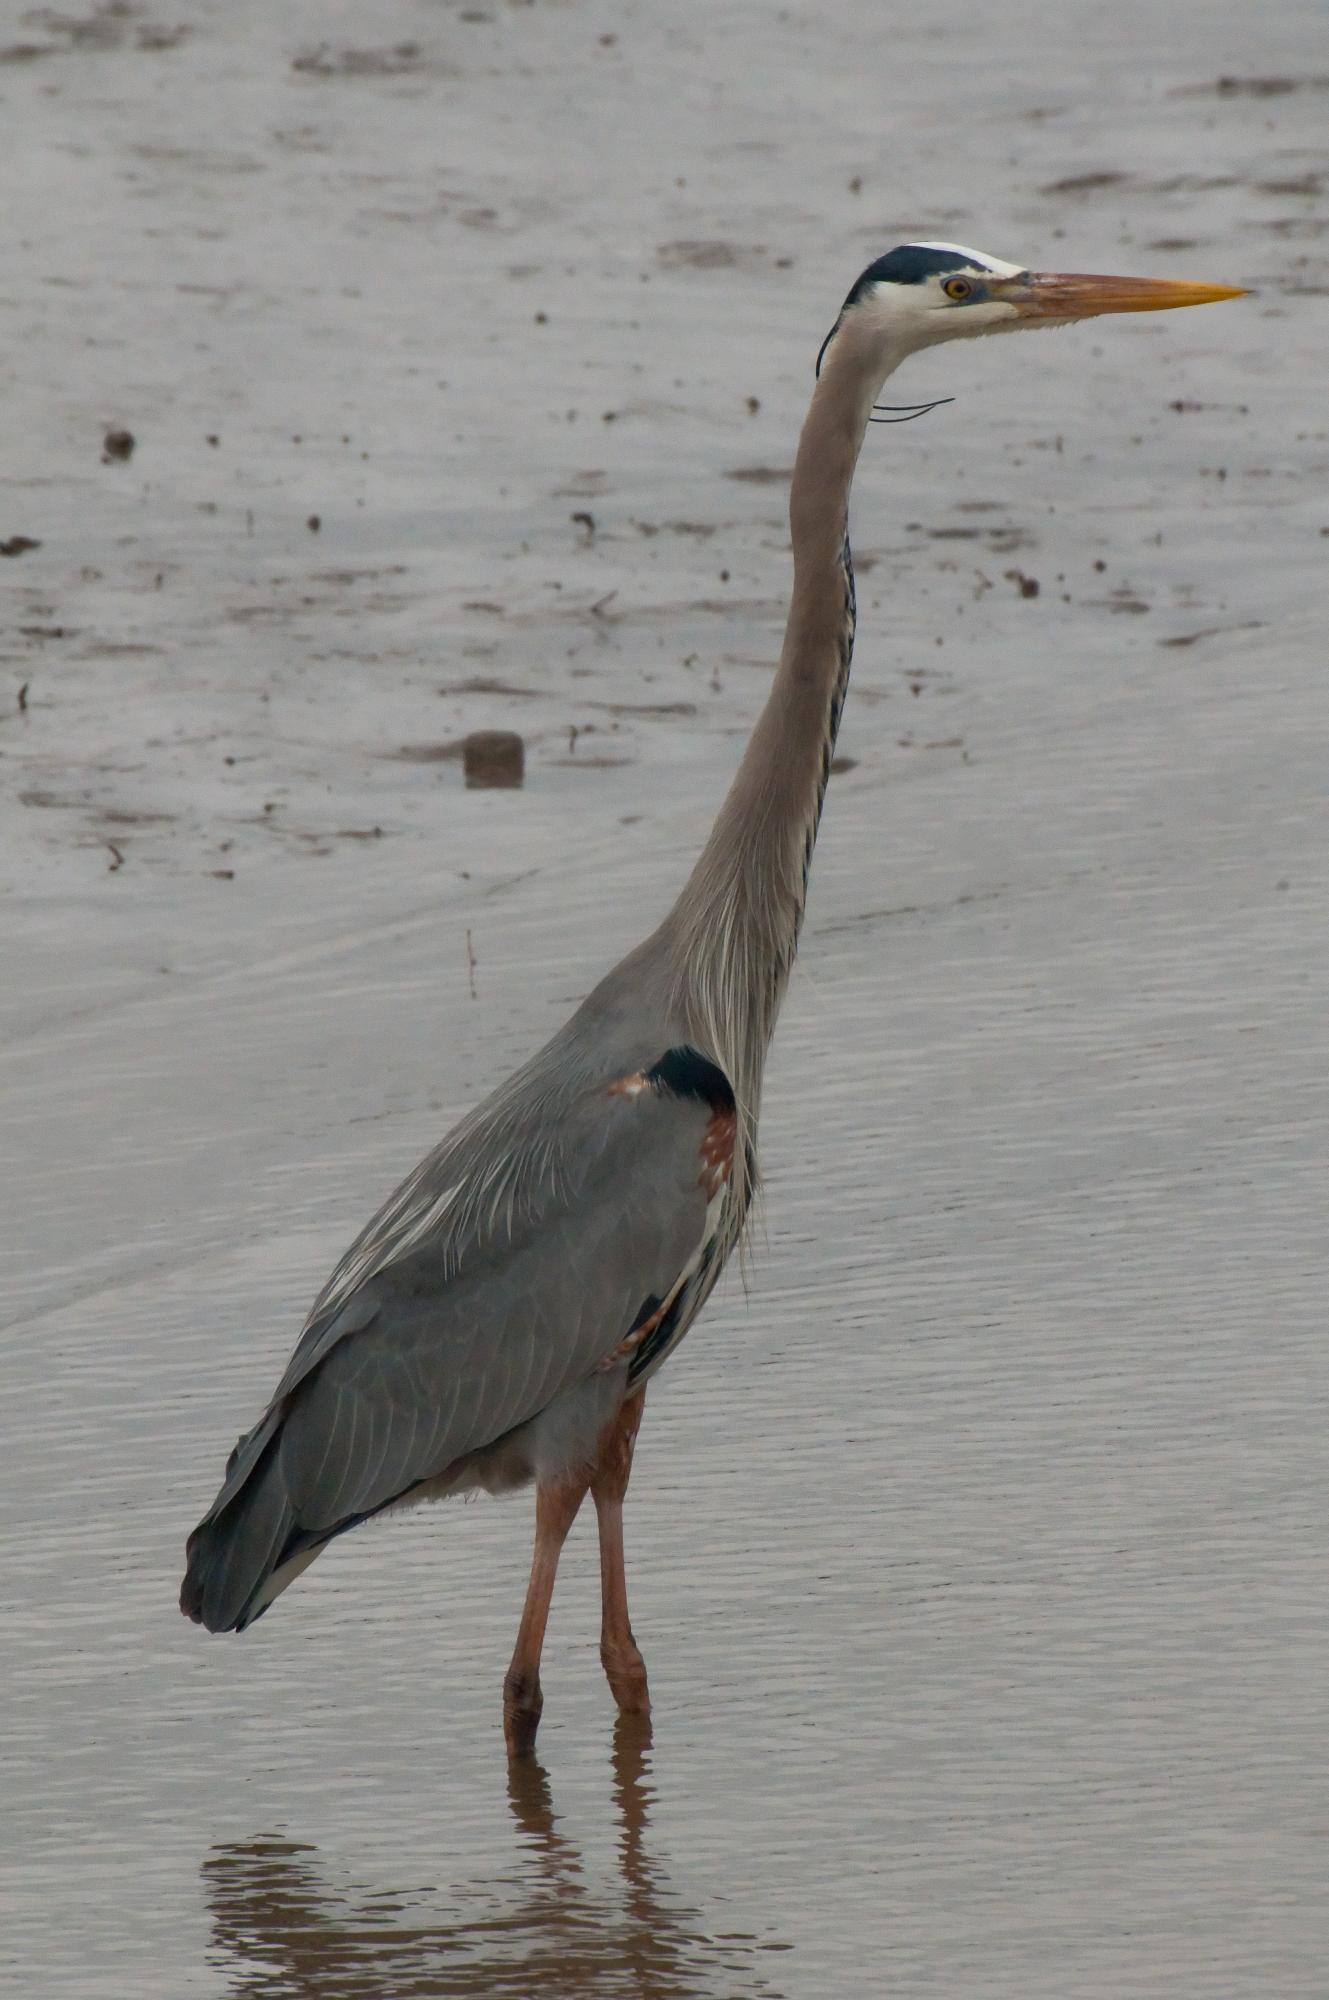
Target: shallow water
point(977, 1549)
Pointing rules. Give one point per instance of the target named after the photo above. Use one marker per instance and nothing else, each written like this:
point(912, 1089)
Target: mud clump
point(493, 759)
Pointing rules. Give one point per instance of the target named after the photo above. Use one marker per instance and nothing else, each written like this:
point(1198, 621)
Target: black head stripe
point(910, 265)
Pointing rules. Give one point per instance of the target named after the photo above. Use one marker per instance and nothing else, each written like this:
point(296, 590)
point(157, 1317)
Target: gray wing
point(427, 1363)
point(472, 1314)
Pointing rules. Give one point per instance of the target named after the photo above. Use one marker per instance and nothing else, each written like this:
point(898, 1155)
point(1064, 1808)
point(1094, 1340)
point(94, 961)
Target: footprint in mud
point(113, 25)
point(402, 59)
point(485, 684)
point(1083, 183)
point(1251, 86)
point(713, 254)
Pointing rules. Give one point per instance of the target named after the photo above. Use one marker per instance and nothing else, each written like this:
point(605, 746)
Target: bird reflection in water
point(280, 1933)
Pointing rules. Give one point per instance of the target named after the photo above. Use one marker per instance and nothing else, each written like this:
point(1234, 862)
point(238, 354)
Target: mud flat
point(978, 1550)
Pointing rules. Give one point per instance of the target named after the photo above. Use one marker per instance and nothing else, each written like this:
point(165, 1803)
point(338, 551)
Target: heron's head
point(923, 293)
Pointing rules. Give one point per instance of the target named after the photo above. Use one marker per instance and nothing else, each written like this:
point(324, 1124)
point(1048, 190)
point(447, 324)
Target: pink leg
point(555, 1511)
point(623, 1663)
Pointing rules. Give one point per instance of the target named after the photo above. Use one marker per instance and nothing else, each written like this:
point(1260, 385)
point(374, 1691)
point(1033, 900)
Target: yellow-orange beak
point(1054, 295)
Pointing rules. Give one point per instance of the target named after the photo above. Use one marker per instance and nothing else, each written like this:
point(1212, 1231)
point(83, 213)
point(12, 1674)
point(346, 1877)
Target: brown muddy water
point(978, 1546)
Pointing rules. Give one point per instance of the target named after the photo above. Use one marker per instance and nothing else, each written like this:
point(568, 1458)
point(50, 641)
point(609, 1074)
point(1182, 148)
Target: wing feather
point(440, 1346)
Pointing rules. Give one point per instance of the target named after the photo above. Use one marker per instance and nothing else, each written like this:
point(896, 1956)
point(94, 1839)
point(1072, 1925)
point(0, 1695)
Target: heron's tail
point(247, 1547)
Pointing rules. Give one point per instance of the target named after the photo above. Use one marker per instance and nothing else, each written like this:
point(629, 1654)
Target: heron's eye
point(957, 288)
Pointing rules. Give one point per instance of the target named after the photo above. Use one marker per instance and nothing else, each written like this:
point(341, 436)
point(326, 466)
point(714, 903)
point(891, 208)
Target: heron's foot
point(625, 1670)
point(523, 1704)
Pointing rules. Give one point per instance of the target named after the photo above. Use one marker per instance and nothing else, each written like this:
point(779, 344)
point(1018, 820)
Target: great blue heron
point(499, 1319)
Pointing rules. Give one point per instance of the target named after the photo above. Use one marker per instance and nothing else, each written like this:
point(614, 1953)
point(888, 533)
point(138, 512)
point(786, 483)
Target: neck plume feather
point(734, 931)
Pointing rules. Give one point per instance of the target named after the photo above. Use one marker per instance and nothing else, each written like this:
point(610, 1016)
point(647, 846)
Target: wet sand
point(978, 1550)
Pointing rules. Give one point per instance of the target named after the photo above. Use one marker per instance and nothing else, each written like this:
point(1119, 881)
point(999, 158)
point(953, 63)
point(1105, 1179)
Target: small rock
point(18, 545)
point(117, 444)
point(493, 759)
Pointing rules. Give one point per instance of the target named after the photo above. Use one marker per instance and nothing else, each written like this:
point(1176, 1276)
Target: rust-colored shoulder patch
point(717, 1152)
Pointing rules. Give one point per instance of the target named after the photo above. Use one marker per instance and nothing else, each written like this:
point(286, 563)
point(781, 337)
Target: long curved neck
point(734, 930)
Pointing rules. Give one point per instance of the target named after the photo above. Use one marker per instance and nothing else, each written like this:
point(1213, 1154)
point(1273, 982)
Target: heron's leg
point(556, 1507)
point(623, 1663)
